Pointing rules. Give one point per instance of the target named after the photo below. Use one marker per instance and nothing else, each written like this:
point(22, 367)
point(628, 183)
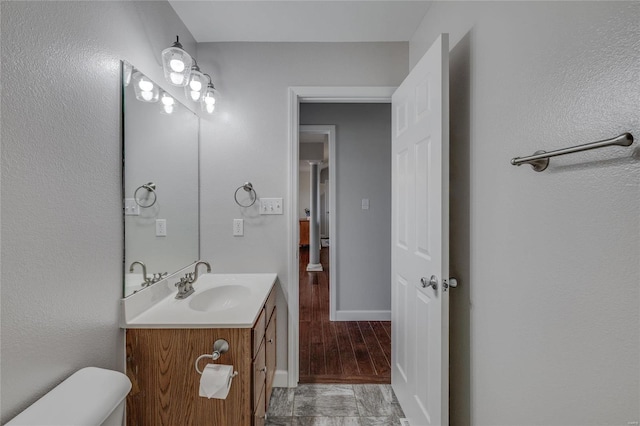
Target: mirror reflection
point(160, 182)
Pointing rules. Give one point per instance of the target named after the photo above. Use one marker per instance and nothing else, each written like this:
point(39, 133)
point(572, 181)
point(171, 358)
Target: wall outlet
point(161, 227)
point(365, 204)
point(238, 227)
point(131, 208)
point(270, 205)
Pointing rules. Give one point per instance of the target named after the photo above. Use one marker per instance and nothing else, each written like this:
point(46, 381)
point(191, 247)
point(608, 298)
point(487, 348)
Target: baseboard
point(363, 315)
point(281, 379)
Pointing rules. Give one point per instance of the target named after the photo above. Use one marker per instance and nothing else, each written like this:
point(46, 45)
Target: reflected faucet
point(195, 269)
point(144, 270)
point(185, 286)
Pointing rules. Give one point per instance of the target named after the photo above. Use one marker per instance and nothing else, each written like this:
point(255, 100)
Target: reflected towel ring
point(151, 189)
point(247, 186)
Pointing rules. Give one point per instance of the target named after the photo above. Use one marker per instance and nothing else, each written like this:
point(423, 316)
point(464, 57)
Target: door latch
point(453, 283)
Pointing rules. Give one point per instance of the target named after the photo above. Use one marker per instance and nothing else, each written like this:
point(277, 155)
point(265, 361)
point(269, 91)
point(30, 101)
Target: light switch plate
point(131, 208)
point(270, 205)
point(365, 204)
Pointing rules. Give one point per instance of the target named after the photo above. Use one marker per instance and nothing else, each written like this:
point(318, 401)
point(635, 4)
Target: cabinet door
point(259, 416)
point(259, 378)
point(270, 342)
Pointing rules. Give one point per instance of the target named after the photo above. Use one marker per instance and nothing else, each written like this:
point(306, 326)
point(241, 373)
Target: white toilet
point(89, 397)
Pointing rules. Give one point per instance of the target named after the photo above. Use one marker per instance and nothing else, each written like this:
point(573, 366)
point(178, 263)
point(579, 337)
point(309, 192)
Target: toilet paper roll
point(216, 381)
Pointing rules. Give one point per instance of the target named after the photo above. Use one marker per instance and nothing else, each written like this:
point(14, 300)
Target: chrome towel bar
point(540, 159)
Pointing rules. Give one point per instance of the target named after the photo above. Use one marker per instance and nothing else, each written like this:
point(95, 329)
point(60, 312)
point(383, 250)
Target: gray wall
point(61, 167)
point(363, 170)
point(544, 328)
point(304, 192)
point(248, 140)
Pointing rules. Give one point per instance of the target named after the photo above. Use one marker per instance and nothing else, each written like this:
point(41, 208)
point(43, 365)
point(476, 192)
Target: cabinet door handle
point(270, 340)
point(264, 370)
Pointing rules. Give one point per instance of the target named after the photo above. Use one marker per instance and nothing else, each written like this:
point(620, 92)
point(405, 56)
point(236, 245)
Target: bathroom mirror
point(160, 181)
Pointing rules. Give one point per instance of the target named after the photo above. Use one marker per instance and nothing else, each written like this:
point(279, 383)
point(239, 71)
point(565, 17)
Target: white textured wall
point(248, 140)
point(363, 170)
point(61, 168)
point(545, 325)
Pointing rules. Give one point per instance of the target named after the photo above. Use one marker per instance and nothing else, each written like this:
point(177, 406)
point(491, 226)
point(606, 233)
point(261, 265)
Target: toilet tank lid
point(85, 398)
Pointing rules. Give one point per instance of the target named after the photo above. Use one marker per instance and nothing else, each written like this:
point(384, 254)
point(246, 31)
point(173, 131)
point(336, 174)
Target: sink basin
point(219, 298)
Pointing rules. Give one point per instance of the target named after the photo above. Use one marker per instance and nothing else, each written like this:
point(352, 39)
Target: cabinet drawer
point(270, 354)
point(270, 305)
point(258, 331)
point(259, 377)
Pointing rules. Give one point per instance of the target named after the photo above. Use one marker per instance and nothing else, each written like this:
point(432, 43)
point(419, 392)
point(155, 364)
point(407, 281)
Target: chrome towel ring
point(248, 187)
point(220, 347)
point(151, 189)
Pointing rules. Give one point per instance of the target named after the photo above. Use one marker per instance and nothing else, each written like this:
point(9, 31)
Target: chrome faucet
point(195, 269)
point(147, 281)
point(185, 285)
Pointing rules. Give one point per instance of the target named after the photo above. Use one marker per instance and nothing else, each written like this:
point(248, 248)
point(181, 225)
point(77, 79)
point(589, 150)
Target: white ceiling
point(301, 20)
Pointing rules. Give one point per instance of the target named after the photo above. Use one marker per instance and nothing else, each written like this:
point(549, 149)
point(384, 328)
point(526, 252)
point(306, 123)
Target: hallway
point(339, 351)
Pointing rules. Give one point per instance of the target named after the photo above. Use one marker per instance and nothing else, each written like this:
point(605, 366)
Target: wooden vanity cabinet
point(165, 384)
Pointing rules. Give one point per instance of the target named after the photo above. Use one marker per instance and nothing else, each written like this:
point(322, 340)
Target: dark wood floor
point(337, 351)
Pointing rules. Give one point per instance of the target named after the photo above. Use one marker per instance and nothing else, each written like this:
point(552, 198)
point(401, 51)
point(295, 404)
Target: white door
point(420, 239)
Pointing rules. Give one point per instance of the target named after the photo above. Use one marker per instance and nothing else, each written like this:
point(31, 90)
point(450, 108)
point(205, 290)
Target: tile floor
point(334, 405)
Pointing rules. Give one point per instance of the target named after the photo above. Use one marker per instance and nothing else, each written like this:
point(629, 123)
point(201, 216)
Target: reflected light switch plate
point(238, 227)
point(131, 208)
point(161, 227)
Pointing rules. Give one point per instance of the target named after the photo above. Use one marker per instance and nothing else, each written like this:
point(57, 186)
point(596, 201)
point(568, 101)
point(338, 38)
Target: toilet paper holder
point(220, 347)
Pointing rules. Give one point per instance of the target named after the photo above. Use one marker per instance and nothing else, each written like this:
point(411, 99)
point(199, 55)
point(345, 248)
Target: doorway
point(365, 332)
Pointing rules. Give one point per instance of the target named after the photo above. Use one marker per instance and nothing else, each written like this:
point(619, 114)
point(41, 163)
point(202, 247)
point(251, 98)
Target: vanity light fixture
point(176, 63)
point(168, 103)
point(145, 89)
point(197, 81)
point(180, 69)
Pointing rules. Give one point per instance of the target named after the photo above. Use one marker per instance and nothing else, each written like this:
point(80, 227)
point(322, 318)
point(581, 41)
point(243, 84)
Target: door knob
point(433, 282)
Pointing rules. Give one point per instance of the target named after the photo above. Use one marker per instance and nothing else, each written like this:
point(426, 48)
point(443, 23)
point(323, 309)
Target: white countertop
point(157, 307)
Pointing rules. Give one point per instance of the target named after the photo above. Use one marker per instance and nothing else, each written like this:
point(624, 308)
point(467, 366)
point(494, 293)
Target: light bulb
point(209, 108)
point(145, 85)
point(167, 100)
point(177, 78)
point(146, 95)
point(195, 85)
point(209, 99)
point(195, 95)
point(168, 108)
point(176, 65)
